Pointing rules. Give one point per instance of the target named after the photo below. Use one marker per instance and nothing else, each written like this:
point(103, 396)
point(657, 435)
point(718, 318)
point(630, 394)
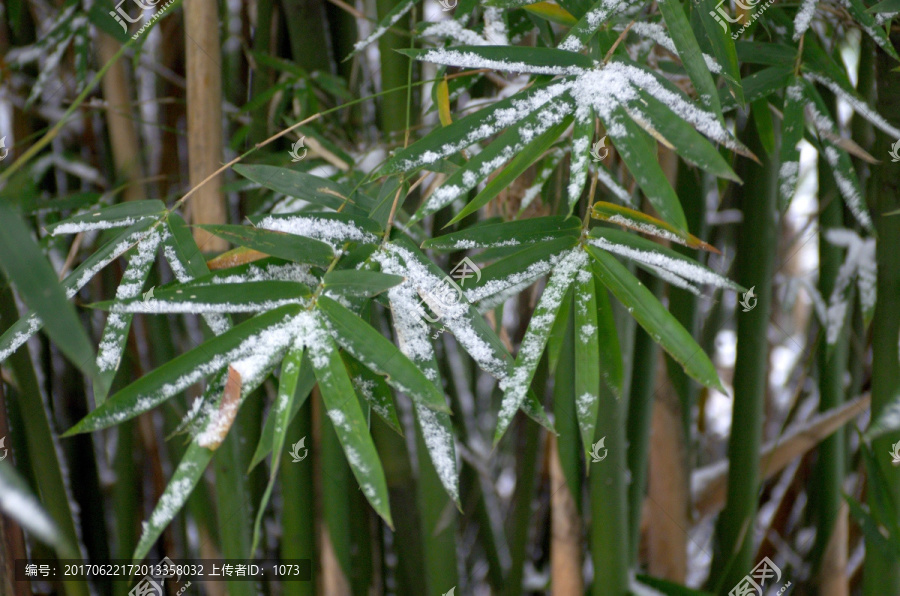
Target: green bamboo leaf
point(556, 339)
point(684, 138)
point(375, 390)
point(182, 251)
point(37, 284)
point(642, 250)
point(305, 382)
point(400, 9)
point(760, 84)
point(281, 413)
point(870, 527)
point(182, 371)
point(186, 476)
point(18, 502)
point(523, 160)
point(582, 134)
point(587, 359)
point(278, 244)
point(885, 6)
point(867, 22)
point(115, 332)
point(638, 152)
point(516, 386)
point(690, 54)
point(313, 189)
point(591, 22)
point(449, 140)
point(612, 370)
point(770, 54)
point(342, 407)
point(655, 319)
point(506, 147)
point(359, 282)
point(377, 352)
point(723, 49)
point(116, 216)
point(792, 130)
point(237, 297)
point(888, 420)
point(506, 58)
point(20, 331)
point(552, 12)
point(762, 120)
point(512, 233)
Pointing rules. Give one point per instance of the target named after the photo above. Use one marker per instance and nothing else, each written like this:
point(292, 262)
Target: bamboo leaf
point(278, 244)
point(792, 129)
point(512, 233)
point(635, 220)
point(724, 50)
point(582, 134)
point(612, 369)
point(532, 60)
point(375, 390)
point(552, 12)
point(315, 190)
point(116, 216)
point(33, 277)
point(397, 12)
point(587, 359)
point(178, 374)
point(655, 319)
point(378, 353)
point(342, 407)
point(867, 23)
point(237, 297)
point(359, 282)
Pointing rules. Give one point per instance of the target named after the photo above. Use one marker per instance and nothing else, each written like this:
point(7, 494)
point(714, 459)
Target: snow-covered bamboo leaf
point(523, 160)
point(29, 324)
point(859, 106)
point(544, 171)
point(516, 386)
point(512, 233)
point(252, 337)
point(278, 244)
point(684, 138)
point(376, 352)
point(20, 505)
point(635, 220)
point(612, 369)
point(186, 476)
point(115, 216)
point(238, 297)
point(115, 332)
point(638, 151)
point(313, 189)
point(848, 183)
point(587, 358)
point(690, 54)
point(281, 413)
point(359, 282)
point(598, 15)
point(648, 252)
point(514, 273)
point(502, 150)
point(35, 281)
point(550, 61)
point(332, 228)
point(582, 134)
point(655, 319)
point(306, 379)
point(792, 129)
point(375, 391)
point(345, 413)
point(397, 12)
point(866, 21)
point(448, 140)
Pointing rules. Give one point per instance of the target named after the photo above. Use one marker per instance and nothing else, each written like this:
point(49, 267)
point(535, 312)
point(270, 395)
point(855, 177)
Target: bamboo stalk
point(565, 535)
point(204, 118)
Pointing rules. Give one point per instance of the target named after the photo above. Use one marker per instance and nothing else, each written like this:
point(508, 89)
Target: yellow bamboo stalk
point(565, 537)
point(204, 117)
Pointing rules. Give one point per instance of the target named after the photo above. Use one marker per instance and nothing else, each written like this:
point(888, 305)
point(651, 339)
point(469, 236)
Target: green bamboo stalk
point(640, 415)
point(881, 574)
point(394, 70)
point(262, 76)
point(298, 515)
point(564, 417)
point(305, 20)
point(756, 247)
